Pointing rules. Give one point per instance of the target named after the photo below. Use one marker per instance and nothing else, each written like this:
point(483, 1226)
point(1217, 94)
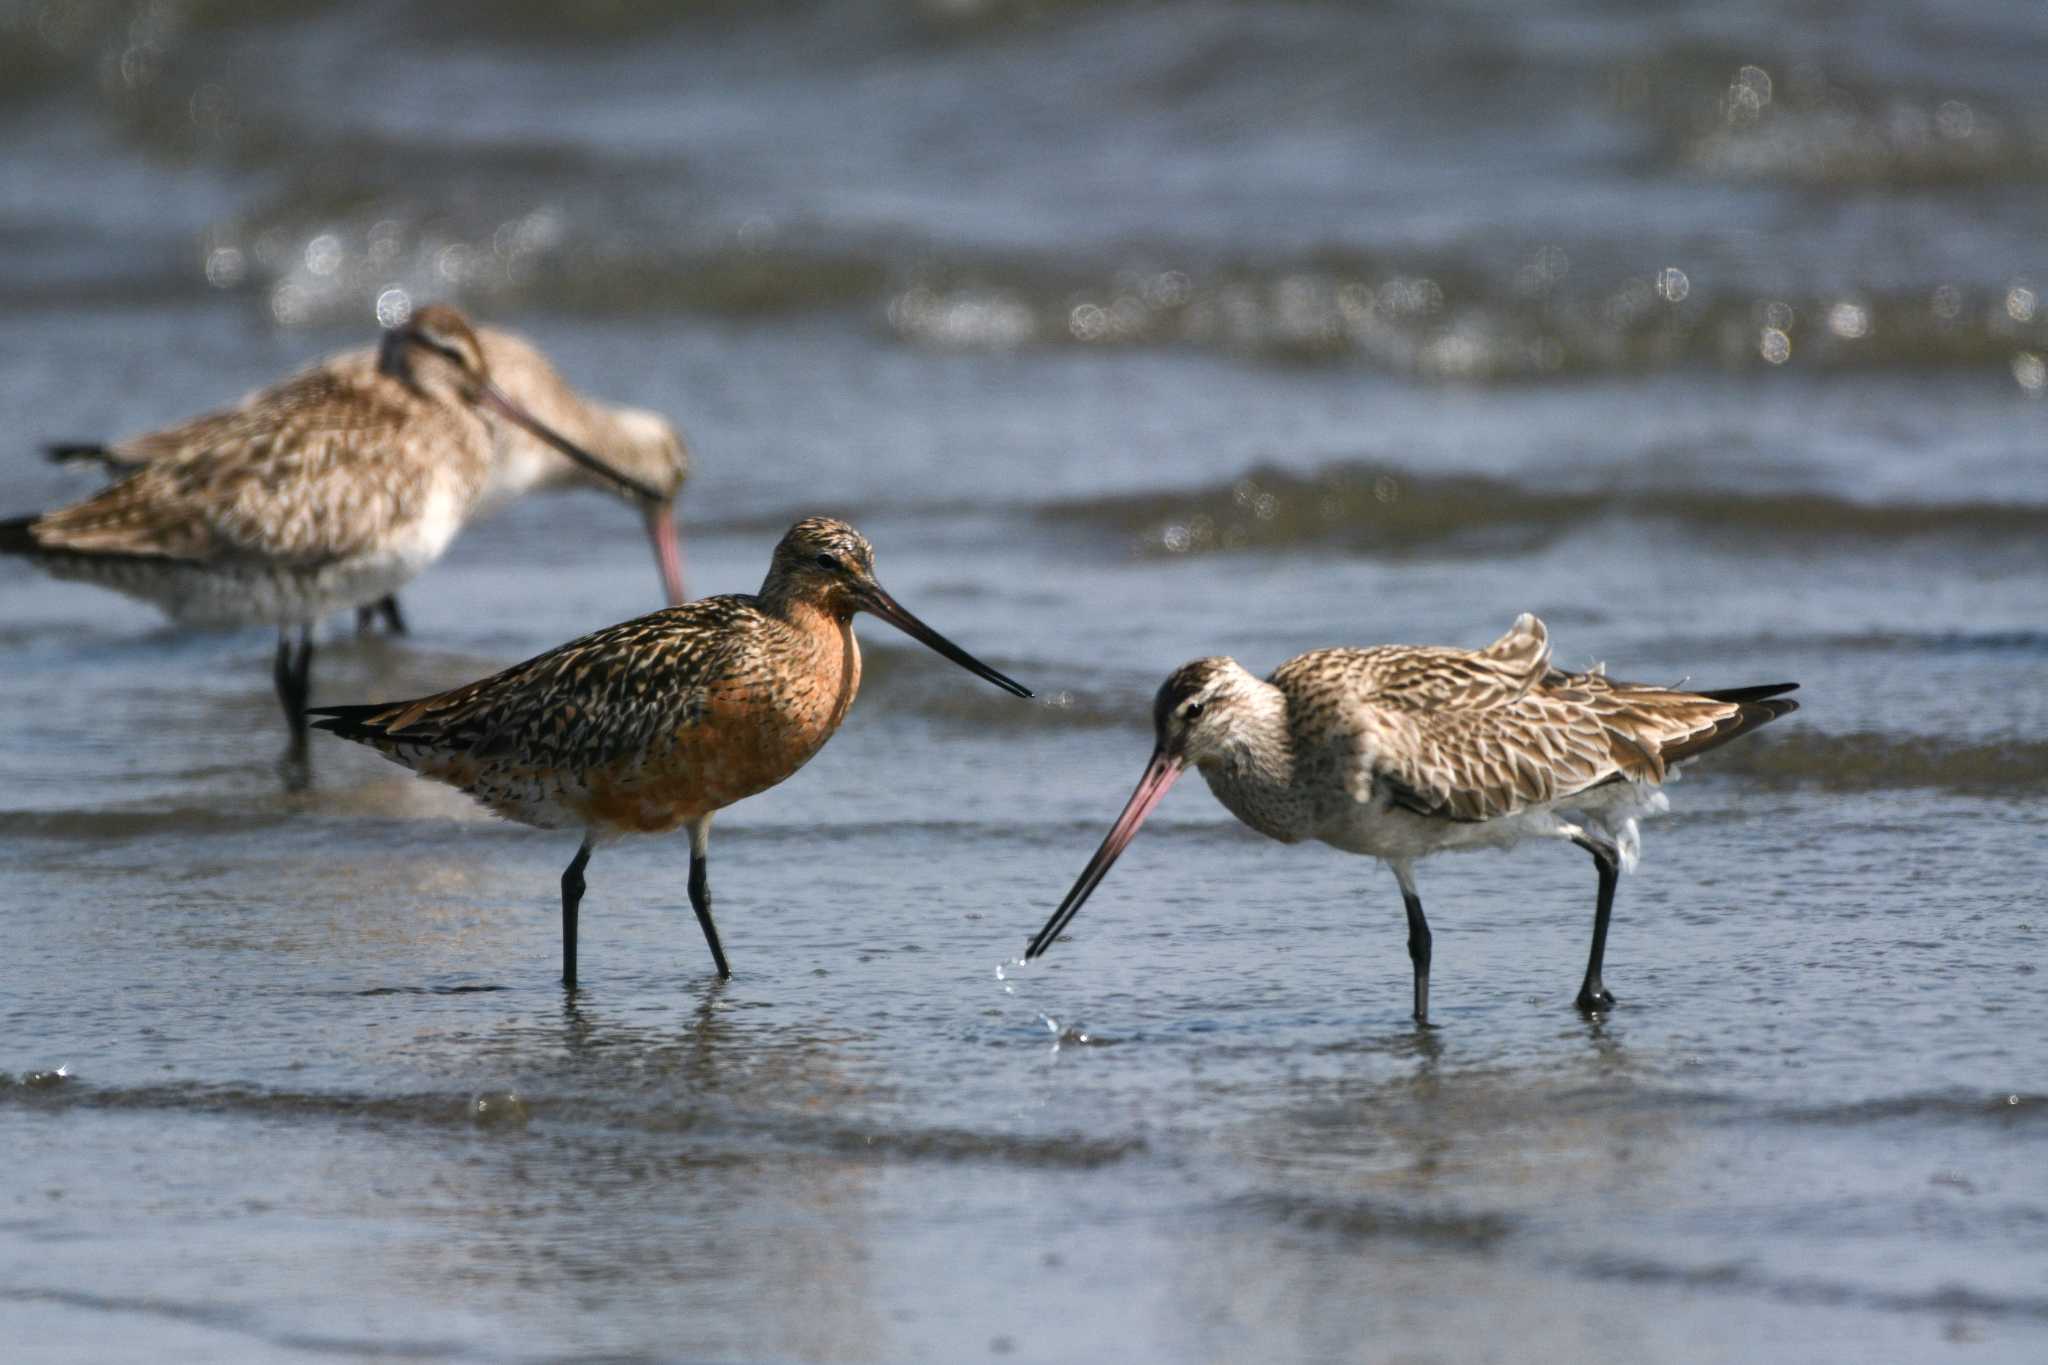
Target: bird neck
point(1253, 772)
point(1258, 744)
point(795, 603)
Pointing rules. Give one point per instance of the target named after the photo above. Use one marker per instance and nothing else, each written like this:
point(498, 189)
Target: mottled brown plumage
point(658, 723)
point(324, 467)
point(339, 420)
point(1474, 735)
point(1401, 751)
point(324, 492)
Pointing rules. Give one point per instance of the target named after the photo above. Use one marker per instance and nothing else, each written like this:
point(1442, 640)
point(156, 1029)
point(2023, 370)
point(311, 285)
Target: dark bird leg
point(294, 677)
point(700, 890)
point(1594, 997)
point(1418, 939)
point(572, 897)
point(394, 619)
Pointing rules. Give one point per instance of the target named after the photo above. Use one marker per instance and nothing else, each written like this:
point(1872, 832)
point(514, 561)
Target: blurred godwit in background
point(662, 721)
point(325, 492)
point(1401, 751)
point(644, 446)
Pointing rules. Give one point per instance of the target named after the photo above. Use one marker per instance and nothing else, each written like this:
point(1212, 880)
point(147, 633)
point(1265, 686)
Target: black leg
point(293, 674)
point(1594, 997)
point(1418, 953)
point(700, 890)
point(302, 671)
point(281, 675)
point(1418, 939)
point(572, 896)
point(387, 609)
point(700, 901)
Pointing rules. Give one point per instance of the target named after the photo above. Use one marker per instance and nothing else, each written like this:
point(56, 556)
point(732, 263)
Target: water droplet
point(323, 254)
point(288, 304)
point(1849, 320)
point(1955, 120)
point(225, 267)
point(394, 307)
point(499, 1109)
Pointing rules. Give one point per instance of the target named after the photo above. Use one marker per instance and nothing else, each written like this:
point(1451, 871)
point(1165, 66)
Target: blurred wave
point(1353, 1219)
point(728, 1132)
point(1737, 1279)
point(1372, 508)
point(329, 206)
point(1869, 761)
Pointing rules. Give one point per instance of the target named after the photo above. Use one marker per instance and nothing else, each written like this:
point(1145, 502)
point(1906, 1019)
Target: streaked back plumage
point(636, 441)
point(1473, 735)
point(650, 724)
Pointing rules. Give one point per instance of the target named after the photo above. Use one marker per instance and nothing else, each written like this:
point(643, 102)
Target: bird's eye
point(1191, 711)
point(829, 562)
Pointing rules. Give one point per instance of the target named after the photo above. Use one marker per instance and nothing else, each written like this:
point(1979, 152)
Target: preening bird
point(643, 446)
point(328, 491)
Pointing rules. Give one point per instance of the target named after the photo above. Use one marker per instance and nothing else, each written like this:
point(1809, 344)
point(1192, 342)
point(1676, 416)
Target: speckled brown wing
point(1479, 734)
point(608, 698)
point(318, 468)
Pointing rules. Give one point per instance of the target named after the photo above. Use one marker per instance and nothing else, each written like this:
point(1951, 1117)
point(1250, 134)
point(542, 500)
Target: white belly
point(251, 591)
point(1398, 835)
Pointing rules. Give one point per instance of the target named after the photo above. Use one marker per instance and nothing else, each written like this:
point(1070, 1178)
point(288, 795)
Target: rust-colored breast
point(757, 726)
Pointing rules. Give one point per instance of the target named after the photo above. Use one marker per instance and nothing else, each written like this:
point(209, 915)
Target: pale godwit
point(637, 443)
point(323, 493)
point(663, 721)
point(1402, 751)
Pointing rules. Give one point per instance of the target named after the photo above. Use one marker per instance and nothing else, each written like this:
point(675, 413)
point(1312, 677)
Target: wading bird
point(644, 446)
point(1401, 751)
point(661, 722)
point(325, 492)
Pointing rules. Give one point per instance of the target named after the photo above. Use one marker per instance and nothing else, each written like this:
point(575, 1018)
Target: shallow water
point(1128, 334)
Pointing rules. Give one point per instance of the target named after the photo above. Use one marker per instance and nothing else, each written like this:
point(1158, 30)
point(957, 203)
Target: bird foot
point(1595, 1000)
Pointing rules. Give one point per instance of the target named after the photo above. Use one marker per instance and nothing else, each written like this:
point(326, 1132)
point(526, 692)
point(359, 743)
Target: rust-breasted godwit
point(644, 446)
point(323, 493)
point(1401, 751)
point(661, 722)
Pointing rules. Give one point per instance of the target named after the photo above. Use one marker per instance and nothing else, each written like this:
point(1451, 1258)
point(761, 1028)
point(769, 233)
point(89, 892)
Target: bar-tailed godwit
point(325, 492)
point(661, 722)
point(642, 445)
point(1401, 751)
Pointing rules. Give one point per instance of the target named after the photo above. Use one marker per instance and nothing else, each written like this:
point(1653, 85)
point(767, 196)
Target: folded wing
point(322, 468)
point(1479, 734)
